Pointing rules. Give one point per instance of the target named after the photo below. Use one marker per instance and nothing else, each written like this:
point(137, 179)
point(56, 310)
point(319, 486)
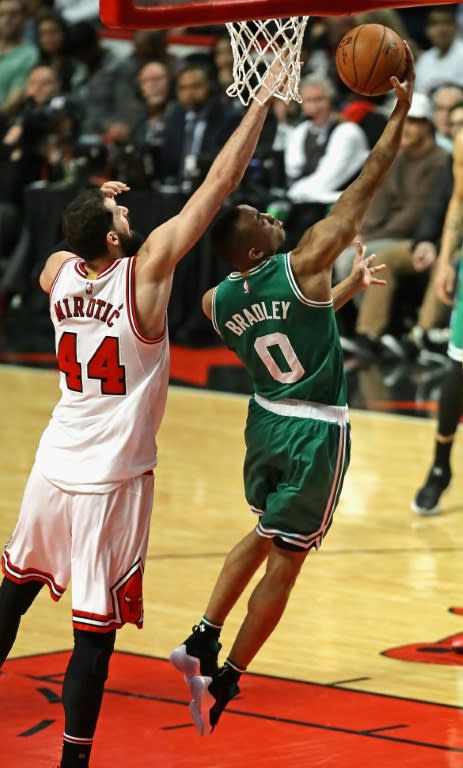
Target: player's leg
point(266, 605)
point(427, 499)
point(267, 602)
point(109, 539)
point(15, 600)
point(198, 654)
point(297, 515)
point(83, 689)
point(29, 561)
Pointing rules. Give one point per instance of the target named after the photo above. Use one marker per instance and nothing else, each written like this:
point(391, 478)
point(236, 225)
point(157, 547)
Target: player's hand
point(444, 283)
point(404, 89)
point(113, 188)
point(363, 270)
point(274, 79)
point(423, 256)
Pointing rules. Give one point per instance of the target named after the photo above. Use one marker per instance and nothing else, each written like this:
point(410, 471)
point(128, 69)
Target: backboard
point(164, 14)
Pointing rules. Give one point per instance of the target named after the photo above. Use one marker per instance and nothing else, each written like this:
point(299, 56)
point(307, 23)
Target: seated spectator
point(35, 145)
point(17, 56)
point(443, 62)
point(443, 99)
point(149, 45)
point(93, 86)
point(402, 227)
point(395, 210)
point(37, 142)
point(264, 183)
point(138, 161)
point(53, 44)
point(33, 9)
point(196, 127)
point(323, 155)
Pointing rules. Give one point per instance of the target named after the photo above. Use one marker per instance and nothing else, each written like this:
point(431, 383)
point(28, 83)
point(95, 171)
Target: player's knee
point(16, 599)
point(92, 654)
point(285, 563)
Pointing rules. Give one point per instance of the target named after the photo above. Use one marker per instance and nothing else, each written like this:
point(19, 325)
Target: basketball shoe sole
point(203, 701)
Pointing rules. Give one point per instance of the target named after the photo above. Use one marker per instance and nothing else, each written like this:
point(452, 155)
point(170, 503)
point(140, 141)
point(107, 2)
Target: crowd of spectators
point(75, 109)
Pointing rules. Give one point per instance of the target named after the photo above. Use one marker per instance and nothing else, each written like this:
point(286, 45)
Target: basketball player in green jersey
point(275, 310)
point(427, 498)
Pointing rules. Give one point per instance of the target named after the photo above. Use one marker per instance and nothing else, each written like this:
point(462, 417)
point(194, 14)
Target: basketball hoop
point(256, 45)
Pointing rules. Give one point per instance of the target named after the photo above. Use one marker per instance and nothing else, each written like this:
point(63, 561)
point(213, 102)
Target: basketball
point(367, 56)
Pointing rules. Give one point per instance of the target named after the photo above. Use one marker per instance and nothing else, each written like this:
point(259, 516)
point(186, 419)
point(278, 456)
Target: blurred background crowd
point(80, 104)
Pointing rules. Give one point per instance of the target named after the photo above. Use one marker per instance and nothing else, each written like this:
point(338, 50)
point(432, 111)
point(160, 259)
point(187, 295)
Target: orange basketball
point(367, 56)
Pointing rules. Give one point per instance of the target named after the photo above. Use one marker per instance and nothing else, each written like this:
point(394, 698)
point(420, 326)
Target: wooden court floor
point(367, 632)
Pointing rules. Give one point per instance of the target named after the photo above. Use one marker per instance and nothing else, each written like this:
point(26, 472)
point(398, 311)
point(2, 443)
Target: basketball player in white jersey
point(87, 504)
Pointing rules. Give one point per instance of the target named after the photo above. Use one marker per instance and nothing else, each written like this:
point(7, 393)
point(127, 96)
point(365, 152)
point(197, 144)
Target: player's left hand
point(113, 188)
point(363, 270)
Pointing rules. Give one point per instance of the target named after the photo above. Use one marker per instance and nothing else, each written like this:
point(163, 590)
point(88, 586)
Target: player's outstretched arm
point(323, 242)
point(167, 244)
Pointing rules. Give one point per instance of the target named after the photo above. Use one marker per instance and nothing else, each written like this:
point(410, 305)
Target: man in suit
point(196, 127)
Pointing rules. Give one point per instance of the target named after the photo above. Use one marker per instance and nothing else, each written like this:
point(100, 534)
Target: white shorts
point(98, 541)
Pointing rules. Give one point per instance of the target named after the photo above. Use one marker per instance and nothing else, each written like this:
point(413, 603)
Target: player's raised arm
point(166, 245)
point(323, 242)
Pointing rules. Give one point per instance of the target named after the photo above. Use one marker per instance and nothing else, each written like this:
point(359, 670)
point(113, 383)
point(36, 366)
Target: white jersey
point(113, 381)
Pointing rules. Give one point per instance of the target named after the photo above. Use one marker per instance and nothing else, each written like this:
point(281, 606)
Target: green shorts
point(455, 349)
point(294, 469)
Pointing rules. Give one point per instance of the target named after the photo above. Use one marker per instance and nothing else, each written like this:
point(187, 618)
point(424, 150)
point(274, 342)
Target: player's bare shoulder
point(52, 267)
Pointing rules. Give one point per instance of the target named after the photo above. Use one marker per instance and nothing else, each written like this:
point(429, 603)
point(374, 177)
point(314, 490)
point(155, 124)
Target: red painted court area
point(275, 722)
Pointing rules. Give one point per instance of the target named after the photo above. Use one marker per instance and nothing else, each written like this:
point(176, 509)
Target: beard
point(130, 243)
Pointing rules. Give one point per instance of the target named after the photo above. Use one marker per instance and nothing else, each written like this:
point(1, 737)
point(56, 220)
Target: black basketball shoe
point(426, 501)
point(210, 697)
point(198, 654)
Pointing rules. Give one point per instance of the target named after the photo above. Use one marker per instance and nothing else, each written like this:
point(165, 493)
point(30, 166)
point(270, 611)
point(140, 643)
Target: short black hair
point(225, 235)
point(86, 222)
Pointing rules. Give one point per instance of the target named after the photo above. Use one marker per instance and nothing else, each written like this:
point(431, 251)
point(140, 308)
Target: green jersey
point(289, 344)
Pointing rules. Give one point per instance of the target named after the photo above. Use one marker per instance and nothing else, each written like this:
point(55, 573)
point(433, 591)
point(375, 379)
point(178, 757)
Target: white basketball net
point(255, 45)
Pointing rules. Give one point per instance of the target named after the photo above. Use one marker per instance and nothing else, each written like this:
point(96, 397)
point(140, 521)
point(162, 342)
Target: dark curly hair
point(86, 222)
